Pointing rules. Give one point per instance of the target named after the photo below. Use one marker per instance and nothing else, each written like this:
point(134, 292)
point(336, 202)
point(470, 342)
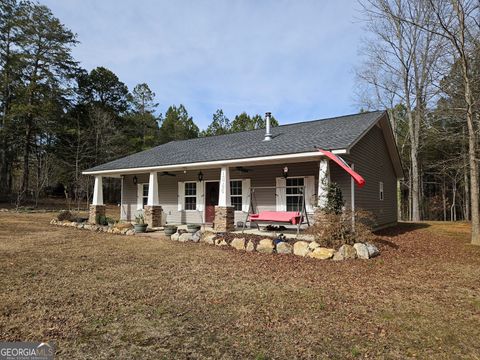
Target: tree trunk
point(472, 143)
point(444, 200)
point(410, 201)
point(472, 158)
point(415, 171)
point(5, 186)
point(467, 194)
point(465, 180)
point(26, 157)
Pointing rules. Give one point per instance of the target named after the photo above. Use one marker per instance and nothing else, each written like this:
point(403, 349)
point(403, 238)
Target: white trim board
point(217, 163)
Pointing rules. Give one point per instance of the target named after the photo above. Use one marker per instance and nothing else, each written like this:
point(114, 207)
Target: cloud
point(293, 58)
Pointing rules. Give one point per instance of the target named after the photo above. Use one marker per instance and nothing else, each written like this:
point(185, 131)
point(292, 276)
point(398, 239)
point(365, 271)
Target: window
point(236, 194)
point(380, 190)
point(294, 193)
point(144, 194)
point(190, 196)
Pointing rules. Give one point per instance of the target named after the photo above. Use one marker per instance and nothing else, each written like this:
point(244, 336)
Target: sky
point(294, 58)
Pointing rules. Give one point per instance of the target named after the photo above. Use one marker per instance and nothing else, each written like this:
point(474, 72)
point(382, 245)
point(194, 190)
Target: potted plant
point(140, 225)
point(170, 230)
point(193, 228)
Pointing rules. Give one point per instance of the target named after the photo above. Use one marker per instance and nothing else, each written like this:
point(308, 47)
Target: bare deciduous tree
point(457, 21)
point(400, 68)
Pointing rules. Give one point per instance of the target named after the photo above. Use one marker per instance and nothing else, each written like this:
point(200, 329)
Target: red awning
point(356, 176)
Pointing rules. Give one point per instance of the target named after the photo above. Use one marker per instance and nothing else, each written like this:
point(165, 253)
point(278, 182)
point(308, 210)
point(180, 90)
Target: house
point(210, 180)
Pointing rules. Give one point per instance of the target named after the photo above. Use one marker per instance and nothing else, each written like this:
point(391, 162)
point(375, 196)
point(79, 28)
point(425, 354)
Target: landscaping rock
point(175, 236)
point(322, 253)
point(124, 226)
point(347, 251)
point(221, 242)
point(372, 250)
point(196, 237)
point(265, 246)
point(130, 232)
point(208, 237)
point(362, 251)
point(338, 256)
point(238, 243)
point(185, 237)
point(284, 248)
point(250, 246)
point(300, 248)
point(313, 245)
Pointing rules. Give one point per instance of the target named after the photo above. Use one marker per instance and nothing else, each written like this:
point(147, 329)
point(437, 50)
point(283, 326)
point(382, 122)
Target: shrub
point(101, 220)
point(335, 229)
point(140, 219)
point(335, 201)
point(65, 216)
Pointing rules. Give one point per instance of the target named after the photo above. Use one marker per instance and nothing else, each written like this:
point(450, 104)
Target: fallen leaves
point(102, 296)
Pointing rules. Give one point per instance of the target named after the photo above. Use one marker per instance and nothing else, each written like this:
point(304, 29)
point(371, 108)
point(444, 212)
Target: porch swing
point(296, 218)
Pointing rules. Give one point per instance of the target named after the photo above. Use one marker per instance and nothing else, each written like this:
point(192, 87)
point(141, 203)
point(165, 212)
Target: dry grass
point(107, 296)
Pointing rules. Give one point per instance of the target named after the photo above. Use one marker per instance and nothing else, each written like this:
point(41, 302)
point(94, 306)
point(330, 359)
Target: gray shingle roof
point(333, 133)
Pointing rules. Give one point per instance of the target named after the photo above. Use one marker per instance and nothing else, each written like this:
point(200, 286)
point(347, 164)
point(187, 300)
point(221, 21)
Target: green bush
point(101, 220)
point(335, 200)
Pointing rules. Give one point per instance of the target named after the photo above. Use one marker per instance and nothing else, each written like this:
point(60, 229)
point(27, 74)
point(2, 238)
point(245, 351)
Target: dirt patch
point(105, 296)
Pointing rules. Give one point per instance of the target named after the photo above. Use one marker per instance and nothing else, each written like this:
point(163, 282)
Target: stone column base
point(224, 219)
point(95, 212)
point(153, 215)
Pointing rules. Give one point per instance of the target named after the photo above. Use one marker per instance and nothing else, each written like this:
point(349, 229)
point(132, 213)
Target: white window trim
point(140, 195)
point(291, 195)
point(237, 196)
point(381, 192)
point(190, 196)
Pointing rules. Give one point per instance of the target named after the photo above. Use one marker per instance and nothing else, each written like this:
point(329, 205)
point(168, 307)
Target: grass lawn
point(110, 296)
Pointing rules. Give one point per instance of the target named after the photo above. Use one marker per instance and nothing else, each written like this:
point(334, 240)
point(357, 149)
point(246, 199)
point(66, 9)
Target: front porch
point(221, 198)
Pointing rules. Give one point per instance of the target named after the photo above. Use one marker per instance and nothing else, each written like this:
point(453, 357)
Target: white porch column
point(153, 190)
point(323, 183)
point(224, 196)
point(98, 191)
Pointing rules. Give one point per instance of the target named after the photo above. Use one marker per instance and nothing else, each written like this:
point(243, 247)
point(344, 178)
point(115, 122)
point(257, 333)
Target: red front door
point(211, 200)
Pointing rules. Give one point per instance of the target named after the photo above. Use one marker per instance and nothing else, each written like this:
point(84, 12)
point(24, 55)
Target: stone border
point(269, 246)
point(265, 246)
point(92, 227)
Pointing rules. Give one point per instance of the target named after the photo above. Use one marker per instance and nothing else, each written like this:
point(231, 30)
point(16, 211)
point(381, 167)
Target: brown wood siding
point(371, 160)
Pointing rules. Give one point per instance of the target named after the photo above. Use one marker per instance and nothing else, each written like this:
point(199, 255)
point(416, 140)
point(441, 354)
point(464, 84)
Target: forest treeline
point(420, 60)
point(58, 119)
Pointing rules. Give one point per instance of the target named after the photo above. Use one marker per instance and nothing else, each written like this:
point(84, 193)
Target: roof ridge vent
point(268, 135)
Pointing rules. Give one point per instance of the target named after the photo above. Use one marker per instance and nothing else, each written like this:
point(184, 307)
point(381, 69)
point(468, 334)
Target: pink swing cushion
point(291, 217)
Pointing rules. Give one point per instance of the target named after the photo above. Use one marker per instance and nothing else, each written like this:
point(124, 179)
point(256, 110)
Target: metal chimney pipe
point(268, 135)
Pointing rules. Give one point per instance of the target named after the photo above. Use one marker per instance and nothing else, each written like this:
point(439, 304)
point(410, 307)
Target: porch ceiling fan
point(166, 173)
point(242, 169)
